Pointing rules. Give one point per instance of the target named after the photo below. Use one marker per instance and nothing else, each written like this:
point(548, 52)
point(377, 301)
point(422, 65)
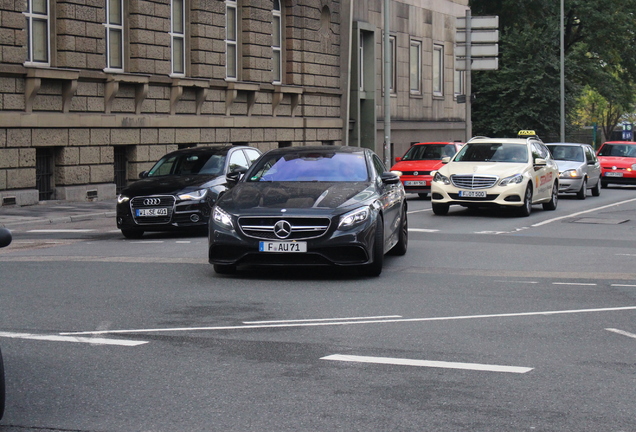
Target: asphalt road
point(490, 322)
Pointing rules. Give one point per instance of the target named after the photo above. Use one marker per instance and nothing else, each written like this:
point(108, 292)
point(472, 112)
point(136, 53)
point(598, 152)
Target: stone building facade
point(92, 92)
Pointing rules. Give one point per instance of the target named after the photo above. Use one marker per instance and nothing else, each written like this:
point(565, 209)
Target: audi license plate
point(161, 211)
point(472, 194)
point(613, 174)
point(414, 183)
point(282, 247)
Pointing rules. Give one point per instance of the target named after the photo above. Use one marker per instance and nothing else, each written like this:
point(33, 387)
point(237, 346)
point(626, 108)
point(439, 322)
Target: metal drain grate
point(600, 221)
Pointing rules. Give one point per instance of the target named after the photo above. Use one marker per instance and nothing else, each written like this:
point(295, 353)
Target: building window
point(277, 43)
point(393, 45)
point(458, 84)
point(361, 61)
point(177, 35)
point(38, 21)
point(416, 67)
point(231, 40)
point(438, 70)
point(114, 35)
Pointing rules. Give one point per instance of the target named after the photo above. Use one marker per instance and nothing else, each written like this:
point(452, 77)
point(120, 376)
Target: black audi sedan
point(310, 206)
point(180, 189)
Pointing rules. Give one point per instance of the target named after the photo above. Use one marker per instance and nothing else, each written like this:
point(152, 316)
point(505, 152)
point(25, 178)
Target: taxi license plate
point(472, 194)
point(162, 211)
point(295, 247)
point(414, 183)
point(613, 174)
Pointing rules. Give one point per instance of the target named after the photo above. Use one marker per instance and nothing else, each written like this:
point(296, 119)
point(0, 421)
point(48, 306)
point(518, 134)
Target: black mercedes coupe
point(180, 189)
point(310, 206)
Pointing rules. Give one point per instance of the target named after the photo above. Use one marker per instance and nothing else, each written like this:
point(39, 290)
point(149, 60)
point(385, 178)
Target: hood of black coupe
point(168, 185)
point(248, 196)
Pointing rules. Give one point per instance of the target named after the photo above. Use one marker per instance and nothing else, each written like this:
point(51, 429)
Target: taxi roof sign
point(527, 133)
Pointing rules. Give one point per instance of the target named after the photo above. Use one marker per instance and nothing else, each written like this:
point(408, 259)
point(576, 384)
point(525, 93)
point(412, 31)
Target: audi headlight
point(222, 218)
point(515, 179)
point(569, 174)
point(195, 195)
point(122, 199)
point(439, 178)
point(354, 217)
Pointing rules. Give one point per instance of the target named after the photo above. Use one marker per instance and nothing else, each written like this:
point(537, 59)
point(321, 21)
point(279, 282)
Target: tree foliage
point(600, 55)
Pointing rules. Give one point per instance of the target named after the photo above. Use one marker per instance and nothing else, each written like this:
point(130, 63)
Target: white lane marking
point(574, 283)
point(183, 241)
point(56, 338)
point(146, 241)
point(419, 211)
point(623, 285)
point(334, 323)
point(427, 363)
point(625, 254)
point(621, 332)
point(422, 230)
point(321, 319)
point(583, 212)
point(521, 282)
point(60, 230)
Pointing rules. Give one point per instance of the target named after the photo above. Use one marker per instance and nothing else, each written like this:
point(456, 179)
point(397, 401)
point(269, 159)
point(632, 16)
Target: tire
point(403, 237)
point(2, 388)
point(132, 233)
point(375, 268)
point(554, 199)
point(422, 195)
point(526, 208)
point(583, 191)
point(604, 184)
point(596, 190)
point(224, 268)
point(440, 209)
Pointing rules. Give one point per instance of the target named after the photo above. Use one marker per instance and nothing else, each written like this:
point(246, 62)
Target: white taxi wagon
point(507, 172)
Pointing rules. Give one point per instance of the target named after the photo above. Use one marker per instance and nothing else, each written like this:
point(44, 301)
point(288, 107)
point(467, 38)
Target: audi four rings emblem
point(152, 201)
point(282, 229)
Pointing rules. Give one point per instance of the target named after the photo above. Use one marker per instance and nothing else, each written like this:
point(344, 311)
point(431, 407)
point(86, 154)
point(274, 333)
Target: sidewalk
point(56, 212)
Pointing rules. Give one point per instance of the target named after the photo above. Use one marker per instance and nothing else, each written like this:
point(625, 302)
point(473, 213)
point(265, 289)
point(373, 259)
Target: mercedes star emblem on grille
point(282, 229)
point(152, 201)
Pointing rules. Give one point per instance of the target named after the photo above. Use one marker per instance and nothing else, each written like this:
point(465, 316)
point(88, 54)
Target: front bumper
point(180, 215)
point(409, 186)
point(350, 247)
point(618, 176)
point(570, 185)
point(511, 195)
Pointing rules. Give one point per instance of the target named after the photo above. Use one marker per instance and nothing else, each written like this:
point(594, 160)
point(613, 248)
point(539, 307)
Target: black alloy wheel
point(375, 268)
point(403, 236)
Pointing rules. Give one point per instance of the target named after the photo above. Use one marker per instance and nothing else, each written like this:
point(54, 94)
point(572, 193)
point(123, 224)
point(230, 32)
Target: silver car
point(579, 169)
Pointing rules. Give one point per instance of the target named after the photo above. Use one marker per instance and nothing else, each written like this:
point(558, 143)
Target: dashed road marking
point(58, 338)
point(622, 332)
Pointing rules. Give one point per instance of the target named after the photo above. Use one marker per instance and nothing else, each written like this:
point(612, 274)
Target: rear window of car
point(306, 166)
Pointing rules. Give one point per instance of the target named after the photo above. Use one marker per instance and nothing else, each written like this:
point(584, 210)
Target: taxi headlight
point(354, 217)
point(194, 195)
point(122, 199)
point(515, 179)
point(440, 178)
point(222, 218)
point(569, 174)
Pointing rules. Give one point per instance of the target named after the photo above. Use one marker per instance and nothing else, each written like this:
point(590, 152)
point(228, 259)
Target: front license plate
point(414, 183)
point(613, 174)
point(162, 211)
point(472, 194)
point(296, 247)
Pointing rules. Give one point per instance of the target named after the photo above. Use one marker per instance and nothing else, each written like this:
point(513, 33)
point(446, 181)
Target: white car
point(506, 172)
point(579, 168)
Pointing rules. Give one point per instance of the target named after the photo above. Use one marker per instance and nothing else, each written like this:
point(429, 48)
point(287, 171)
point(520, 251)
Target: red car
point(618, 162)
point(418, 162)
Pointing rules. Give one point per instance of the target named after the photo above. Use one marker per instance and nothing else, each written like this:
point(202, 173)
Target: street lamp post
point(387, 83)
point(562, 77)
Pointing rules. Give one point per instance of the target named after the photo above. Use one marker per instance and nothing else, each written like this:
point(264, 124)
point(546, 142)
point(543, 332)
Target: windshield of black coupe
point(429, 152)
point(189, 164)
point(493, 152)
point(312, 167)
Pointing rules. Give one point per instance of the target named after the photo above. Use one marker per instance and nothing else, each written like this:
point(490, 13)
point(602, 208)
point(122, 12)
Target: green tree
point(600, 47)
